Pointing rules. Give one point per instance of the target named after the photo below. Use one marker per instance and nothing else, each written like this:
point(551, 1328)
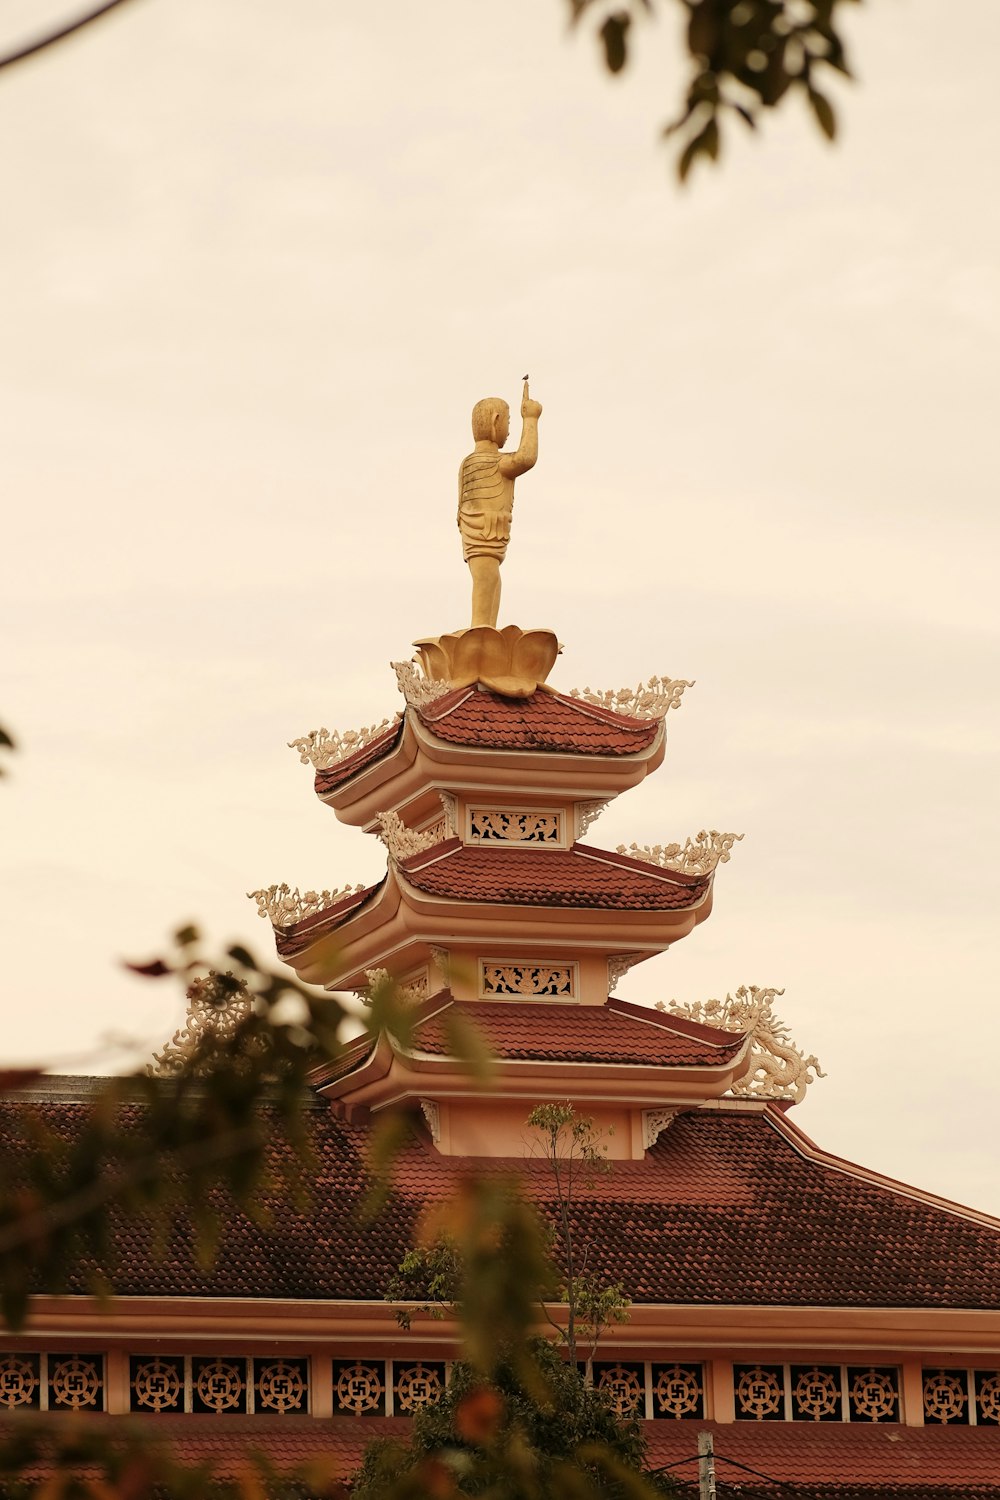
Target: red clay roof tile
point(616, 1032)
point(813, 1460)
point(333, 776)
point(289, 941)
point(580, 876)
point(729, 1207)
point(842, 1459)
point(547, 721)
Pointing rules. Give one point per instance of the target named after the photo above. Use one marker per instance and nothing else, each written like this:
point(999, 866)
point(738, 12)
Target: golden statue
point(486, 495)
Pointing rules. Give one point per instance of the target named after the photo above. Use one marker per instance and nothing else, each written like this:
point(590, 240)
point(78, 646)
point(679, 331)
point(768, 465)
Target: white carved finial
point(619, 965)
point(654, 1123)
point(698, 856)
point(403, 842)
point(587, 813)
point(776, 1068)
point(650, 700)
point(441, 959)
point(323, 748)
point(432, 1115)
point(285, 906)
point(410, 993)
point(418, 690)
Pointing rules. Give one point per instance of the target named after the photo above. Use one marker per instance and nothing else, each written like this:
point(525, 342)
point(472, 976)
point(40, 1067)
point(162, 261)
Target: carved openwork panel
point(759, 1392)
point(988, 1397)
point(678, 1391)
point(76, 1381)
point(946, 1397)
point(817, 1394)
point(219, 1385)
point(873, 1394)
point(20, 1383)
point(156, 1382)
point(527, 977)
point(623, 1387)
point(359, 1388)
point(281, 1386)
point(417, 1385)
point(500, 825)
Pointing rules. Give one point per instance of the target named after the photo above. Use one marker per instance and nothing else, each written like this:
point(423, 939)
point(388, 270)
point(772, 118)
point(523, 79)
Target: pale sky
point(258, 262)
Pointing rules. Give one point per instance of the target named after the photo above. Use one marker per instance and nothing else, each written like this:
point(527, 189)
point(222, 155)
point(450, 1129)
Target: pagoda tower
point(495, 908)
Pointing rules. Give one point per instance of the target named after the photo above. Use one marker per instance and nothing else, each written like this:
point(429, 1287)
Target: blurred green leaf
point(614, 35)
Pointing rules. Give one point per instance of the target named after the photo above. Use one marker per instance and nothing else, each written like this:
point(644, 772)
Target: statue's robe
point(485, 506)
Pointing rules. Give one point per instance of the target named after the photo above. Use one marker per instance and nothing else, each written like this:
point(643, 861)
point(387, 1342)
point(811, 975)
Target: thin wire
point(29, 50)
point(720, 1458)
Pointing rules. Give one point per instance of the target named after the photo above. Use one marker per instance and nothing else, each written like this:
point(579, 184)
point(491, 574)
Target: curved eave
point(419, 758)
point(400, 916)
point(391, 1075)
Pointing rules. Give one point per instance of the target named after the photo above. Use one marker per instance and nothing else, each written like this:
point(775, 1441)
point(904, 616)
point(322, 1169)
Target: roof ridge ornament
point(402, 842)
point(649, 700)
point(285, 906)
point(698, 856)
point(776, 1068)
point(418, 690)
point(323, 748)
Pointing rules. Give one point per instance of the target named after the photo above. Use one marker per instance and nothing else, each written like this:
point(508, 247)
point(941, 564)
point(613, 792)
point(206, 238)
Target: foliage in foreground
point(744, 57)
point(552, 1437)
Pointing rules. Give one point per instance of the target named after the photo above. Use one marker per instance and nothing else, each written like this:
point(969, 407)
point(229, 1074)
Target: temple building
point(836, 1331)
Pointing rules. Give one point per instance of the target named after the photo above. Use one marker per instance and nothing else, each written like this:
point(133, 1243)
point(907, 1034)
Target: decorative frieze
point(323, 748)
point(527, 978)
point(497, 825)
point(285, 905)
point(402, 842)
point(650, 700)
point(775, 1068)
point(224, 1386)
point(697, 856)
point(279, 1385)
point(418, 690)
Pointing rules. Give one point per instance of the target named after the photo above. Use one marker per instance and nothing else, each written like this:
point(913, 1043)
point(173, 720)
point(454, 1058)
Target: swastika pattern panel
point(157, 1382)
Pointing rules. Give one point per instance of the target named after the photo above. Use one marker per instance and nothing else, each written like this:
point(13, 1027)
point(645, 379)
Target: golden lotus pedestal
point(511, 662)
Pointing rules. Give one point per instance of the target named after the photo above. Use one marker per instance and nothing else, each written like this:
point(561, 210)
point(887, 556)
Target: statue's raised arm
point(486, 495)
